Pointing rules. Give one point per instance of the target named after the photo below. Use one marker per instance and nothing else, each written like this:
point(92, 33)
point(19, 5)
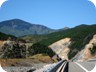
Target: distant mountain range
point(19, 27)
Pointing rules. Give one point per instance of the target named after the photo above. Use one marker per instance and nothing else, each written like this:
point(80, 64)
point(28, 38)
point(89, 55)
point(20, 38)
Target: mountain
point(67, 44)
point(19, 27)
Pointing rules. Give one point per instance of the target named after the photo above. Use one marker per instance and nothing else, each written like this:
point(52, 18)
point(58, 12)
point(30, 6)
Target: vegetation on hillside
point(38, 48)
point(77, 34)
point(33, 38)
point(5, 36)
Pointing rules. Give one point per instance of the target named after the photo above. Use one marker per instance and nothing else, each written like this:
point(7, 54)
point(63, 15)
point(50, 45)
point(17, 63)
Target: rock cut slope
point(61, 48)
point(88, 52)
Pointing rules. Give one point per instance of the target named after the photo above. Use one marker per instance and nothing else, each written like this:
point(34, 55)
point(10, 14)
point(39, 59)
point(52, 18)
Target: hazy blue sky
point(51, 13)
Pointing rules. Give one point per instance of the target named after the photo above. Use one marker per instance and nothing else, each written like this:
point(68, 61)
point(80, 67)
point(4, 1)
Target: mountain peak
point(19, 27)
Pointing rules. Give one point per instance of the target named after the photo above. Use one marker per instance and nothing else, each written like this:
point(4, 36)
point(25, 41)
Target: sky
point(54, 14)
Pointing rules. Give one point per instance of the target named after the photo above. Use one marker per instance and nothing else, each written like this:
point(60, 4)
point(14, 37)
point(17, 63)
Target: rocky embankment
point(61, 48)
point(13, 49)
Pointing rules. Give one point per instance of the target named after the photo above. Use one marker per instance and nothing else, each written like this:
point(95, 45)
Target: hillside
point(5, 36)
point(33, 38)
point(38, 38)
point(76, 33)
point(79, 35)
point(19, 27)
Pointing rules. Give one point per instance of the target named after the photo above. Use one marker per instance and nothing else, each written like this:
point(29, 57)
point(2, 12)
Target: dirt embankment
point(1, 42)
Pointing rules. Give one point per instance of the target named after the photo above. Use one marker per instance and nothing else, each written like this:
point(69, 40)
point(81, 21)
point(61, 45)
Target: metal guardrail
point(62, 66)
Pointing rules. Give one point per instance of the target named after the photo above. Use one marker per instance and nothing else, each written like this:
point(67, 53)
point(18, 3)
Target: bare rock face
point(88, 52)
point(61, 47)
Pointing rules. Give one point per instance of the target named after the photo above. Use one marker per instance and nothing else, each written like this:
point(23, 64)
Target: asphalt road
point(81, 66)
point(65, 66)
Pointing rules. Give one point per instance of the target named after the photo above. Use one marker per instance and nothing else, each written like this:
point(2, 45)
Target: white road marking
point(94, 70)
